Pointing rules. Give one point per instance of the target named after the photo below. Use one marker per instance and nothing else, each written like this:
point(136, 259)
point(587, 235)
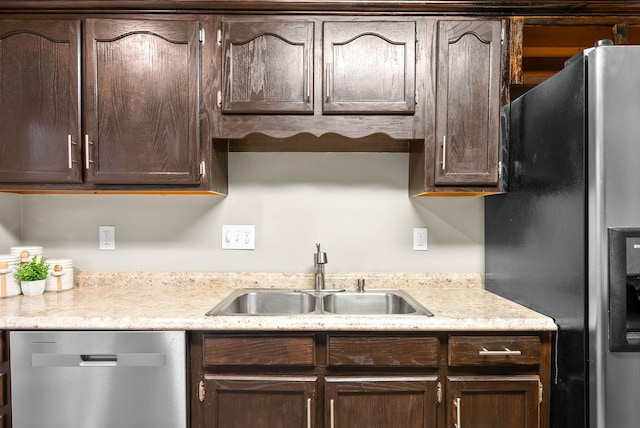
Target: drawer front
point(239, 350)
point(384, 351)
point(494, 350)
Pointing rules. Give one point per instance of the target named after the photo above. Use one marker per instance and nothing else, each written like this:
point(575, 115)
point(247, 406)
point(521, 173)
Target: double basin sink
point(311, 302)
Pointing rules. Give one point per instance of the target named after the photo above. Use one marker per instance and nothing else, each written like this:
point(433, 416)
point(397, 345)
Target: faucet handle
point(320, 257)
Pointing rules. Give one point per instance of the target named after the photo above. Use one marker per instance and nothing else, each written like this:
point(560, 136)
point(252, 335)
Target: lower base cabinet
point(381, 403)
point(370, 380)
point(260, 401)
point(494, 401)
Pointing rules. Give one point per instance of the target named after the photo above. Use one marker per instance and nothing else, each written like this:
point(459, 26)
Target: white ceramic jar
point(60, 275)
point(26, 252)
point(9, 285)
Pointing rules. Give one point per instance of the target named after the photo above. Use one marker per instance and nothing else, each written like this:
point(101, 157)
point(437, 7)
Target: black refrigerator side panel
point(535, 233)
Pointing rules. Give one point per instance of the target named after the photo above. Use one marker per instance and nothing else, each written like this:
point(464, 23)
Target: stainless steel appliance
point(565, 240)
point(98, 379)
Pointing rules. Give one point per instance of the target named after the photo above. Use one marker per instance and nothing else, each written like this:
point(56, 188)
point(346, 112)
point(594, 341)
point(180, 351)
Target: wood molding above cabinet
point(485, 7)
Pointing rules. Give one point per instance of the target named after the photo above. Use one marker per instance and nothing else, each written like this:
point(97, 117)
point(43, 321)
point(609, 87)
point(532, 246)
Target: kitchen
point(346, 199)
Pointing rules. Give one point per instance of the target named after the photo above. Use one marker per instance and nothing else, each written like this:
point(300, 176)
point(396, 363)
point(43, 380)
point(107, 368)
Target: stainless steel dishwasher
point(98, 379)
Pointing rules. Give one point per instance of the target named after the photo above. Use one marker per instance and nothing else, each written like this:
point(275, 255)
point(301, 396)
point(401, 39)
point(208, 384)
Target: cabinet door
point(259, 401)
point(493, 402)
point(268, 67)
point(142, 95)
point(369, 67)
point(39, 101)
point(386, 402)
point(468, 102)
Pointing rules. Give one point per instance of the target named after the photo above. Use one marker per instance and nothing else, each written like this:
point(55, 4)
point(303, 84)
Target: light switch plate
point(238, 237)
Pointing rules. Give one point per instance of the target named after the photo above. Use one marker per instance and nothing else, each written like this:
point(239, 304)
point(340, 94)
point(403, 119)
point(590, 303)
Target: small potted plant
point(31, 275)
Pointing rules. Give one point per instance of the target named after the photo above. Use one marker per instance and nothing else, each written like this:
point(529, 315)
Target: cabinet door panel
point(268, 67)
point(467, 102)
point(381, 403)
point(369, 67)
point(39, 101)
point(259, 401)
point(493, 401)
point(142, 92)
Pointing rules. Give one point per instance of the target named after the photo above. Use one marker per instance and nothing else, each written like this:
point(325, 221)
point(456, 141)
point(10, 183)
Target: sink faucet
point(319, 260)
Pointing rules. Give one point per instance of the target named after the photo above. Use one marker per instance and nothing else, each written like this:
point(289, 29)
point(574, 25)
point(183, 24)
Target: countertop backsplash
point(234, 280)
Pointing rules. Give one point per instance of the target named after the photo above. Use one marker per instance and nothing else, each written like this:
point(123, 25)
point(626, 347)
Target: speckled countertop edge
point(179, 301)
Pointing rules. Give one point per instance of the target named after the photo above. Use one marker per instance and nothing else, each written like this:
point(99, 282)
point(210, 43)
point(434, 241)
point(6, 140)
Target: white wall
point(10, 221)
point(355, 204)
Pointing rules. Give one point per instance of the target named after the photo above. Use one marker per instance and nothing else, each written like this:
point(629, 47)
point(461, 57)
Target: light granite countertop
point(179, 301)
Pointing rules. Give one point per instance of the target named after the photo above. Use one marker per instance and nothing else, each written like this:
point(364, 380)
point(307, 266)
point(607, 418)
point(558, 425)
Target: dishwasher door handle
point(99, 360)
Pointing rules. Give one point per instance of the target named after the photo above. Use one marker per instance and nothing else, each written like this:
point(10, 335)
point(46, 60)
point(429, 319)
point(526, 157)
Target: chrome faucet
point(319, 260)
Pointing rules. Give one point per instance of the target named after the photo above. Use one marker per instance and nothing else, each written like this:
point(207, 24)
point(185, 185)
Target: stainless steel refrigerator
point(565, 239)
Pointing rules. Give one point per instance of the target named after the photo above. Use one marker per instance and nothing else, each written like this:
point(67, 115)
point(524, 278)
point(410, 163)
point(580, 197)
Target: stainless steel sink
point(325, 302)
point(372, 303)
point(266, 302)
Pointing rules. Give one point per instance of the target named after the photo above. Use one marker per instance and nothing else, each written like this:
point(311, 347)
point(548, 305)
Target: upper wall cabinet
point(39, 101)
point(468, 103)
point(268, 67)
point(137, 129)
point(286, 75)
point(142, 93)
point(460, 153)
point(369, 67)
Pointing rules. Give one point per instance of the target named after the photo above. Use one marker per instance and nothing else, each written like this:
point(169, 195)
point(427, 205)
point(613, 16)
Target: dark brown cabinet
point(290, 75)
point(268, 67)
point(461, 151)
point(370, 379)
point(130, 121)
point(260, 401)
point(468, 102)
point(309, 380)
point(508, 393)
point(142, 101)
point(369, 67)
point(39, 101)
point(409, 402)
point(493, 401)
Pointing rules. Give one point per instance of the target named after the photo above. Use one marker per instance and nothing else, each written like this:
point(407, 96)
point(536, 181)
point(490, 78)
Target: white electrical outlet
point(420, 239)
point(107, 237)
point(238, 237)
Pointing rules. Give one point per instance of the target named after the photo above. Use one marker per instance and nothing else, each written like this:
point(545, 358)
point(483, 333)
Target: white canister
point(26, 252)
point(60, 275)
point(9, 285)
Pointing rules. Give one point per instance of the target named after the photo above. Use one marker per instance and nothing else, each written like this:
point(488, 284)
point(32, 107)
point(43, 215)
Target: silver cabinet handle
point(309, 77)
point(87, 159)
point(70, 151)
point(332, 414)
point(326, 82)
point(308, 412)
point(444, 152)
point(505, 351)
point(458, 423)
